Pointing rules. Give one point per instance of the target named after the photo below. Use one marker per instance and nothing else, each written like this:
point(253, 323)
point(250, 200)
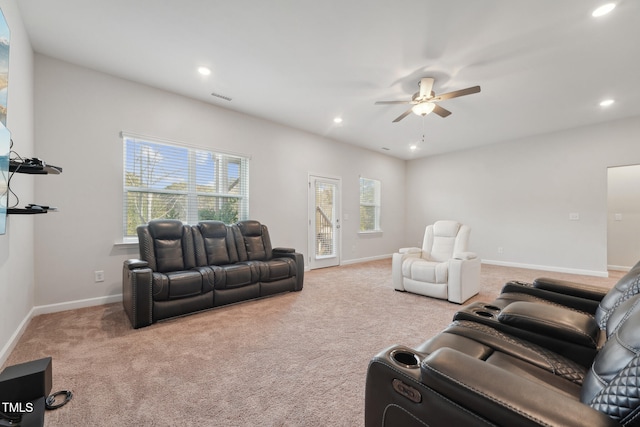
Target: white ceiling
point(543, 65)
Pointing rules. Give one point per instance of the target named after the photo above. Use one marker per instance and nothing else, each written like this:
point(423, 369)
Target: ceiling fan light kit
point(423, 108)
point(425, 101)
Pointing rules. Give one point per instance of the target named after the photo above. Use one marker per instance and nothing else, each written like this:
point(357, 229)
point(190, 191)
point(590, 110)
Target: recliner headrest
point(250, 228)
point(212, 229)
point(169, 229)
point(446, 228)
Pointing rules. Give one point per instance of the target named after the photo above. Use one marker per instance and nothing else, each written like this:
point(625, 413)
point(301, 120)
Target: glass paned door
point(324, 222)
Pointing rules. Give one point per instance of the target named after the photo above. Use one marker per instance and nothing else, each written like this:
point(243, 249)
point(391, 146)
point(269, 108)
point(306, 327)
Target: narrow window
point(369, 205)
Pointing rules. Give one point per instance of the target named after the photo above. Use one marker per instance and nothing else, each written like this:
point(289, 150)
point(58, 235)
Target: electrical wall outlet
point(500, 250)
point(99, 275)
point(574, 216)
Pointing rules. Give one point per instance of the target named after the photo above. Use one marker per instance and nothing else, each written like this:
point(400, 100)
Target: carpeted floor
point(297, 359)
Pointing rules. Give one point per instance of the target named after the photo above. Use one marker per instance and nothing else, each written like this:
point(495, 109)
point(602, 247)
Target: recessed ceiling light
point(606, 102)
point(603, 10)
point(204, 71)
point(337, 120)
point(413, 147)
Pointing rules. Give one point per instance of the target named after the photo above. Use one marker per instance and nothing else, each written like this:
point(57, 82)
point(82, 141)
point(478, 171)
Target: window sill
point(370, 233)
point(127, 243)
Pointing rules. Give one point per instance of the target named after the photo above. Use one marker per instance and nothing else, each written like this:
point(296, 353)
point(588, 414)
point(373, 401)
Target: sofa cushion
point(167, 245)
point(627, 287)
point(425, 271)
point(176, 284)
point(256, 244)
point(614, 373)
point(235, 275)
point(214, 237)
point(276, 269)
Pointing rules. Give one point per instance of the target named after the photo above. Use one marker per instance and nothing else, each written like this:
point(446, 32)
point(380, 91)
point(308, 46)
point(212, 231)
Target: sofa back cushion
point(627, 287)
point(215, 244)
point(610, 386)
point(254, 242)
point(445, 238)
point(167, 245)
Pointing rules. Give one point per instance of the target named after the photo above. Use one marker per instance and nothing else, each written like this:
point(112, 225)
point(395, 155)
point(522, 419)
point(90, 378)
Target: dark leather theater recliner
point(550, 371)
point(567, 317)
point(183, 269)
point(474, 375)
point(594, 300)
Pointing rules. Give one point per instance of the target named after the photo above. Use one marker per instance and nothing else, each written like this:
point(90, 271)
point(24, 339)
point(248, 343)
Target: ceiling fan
point(424, 102)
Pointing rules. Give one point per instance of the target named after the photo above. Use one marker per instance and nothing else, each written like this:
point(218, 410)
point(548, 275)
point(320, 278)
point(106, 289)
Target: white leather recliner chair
point(442, 268)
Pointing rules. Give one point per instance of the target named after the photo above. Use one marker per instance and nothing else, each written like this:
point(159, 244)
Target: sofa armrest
point(137, 297)
point(283, 250)
point(299, 260)
point(502, 397)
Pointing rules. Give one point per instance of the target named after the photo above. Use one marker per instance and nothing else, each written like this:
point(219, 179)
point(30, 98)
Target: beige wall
point(79, 116)
point(623, 216)
point(16, 246)
point(518, 195)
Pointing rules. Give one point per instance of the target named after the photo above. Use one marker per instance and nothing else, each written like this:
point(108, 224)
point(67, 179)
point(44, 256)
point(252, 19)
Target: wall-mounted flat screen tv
point(5, 136)
point(5, 142)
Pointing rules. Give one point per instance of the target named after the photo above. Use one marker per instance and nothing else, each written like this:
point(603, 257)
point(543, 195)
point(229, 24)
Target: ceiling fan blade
point(426, 86)
point(394, 102)
point(402, 116)
point(457, 93)
point(442, 112)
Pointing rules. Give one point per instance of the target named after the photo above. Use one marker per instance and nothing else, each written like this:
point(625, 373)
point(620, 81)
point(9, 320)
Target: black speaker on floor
point(26, 382)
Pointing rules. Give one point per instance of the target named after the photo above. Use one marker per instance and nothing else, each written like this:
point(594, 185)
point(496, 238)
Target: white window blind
point(369, 205)
point(171, 181)
point(325, 219)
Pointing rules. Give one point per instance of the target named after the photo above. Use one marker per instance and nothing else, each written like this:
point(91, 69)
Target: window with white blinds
point(369, 205)
point(171, 181)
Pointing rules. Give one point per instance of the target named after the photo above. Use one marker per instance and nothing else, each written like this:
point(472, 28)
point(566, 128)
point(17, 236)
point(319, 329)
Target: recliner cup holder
point(405, 358)
point(483, 313)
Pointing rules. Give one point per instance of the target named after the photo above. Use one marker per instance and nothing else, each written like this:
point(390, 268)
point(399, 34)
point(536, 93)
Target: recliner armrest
point(553, 321)
point(137, 287)
point(465, 255)
point(135, 263)
point(411, 250)
point(564, 294)
point(576, 289)
point(503, 397)
point(284, 250)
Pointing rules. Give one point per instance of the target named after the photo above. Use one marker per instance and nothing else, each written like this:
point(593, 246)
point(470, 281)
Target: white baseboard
point(618, 268)
point(51, 308)
point(359, 260)
point(547, 268)
point(13, 340)
point(72, 305)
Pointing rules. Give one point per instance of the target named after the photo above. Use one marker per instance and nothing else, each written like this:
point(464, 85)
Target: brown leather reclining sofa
point(548, 353)
point(183, 269)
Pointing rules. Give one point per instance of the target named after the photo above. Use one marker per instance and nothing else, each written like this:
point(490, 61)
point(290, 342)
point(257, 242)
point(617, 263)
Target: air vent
point(386, 149)
point(226, 98)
